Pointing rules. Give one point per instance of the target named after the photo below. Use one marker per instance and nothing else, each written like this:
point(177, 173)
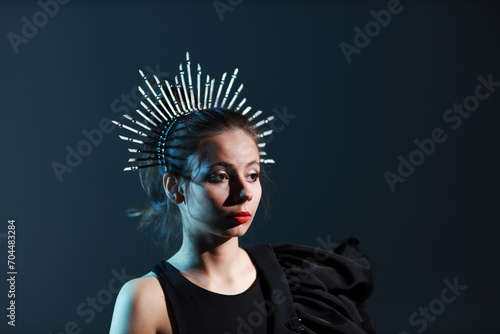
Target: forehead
point(234, 147)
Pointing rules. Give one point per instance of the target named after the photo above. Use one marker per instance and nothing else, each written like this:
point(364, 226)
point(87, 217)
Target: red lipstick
point(241, 217)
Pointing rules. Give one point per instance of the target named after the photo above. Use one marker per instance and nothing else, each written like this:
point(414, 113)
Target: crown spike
point(134, 168)
point(148, 110)
point(235, 96)
point(137, 150)
point(147, 118)
point(131, 139)
point(221, 85)
point(255, 115)
point(176, 103)
point(241, 104)
point(247, 109)
point(265, 133)
point(264, 121)
point(150, 87)
point(212, 84)
point(207, 88)
point(143, 159)
point(184, 88)
point(190, 82)
point(133, 120)
point(158, 83)
point(178, 86)
point(152, 103)
point(121, 125)
point(158, 98)
point(198, 86)
point(226, 95)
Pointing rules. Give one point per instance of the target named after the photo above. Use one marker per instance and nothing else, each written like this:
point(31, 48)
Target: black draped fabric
point(328, 287)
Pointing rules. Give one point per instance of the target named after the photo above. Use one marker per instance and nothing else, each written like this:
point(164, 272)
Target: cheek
point(257, 192)
point(213, 197)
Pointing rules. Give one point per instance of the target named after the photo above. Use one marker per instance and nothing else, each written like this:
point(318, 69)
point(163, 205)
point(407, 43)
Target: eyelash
point(213, 178)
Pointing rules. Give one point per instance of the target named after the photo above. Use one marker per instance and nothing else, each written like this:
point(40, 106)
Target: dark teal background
point(352, 122)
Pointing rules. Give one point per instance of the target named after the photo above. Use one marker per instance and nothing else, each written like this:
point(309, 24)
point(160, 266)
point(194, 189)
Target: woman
point(203, 165)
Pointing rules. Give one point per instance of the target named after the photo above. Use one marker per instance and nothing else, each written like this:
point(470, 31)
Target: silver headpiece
point(168, 108)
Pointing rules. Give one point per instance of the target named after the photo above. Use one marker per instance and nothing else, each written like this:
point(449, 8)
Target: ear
point(173, 188)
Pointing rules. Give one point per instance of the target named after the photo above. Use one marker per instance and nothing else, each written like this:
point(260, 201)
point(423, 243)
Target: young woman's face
point(225, 184)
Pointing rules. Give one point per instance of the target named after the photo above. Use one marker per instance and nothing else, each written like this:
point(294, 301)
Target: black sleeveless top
point(199, 311)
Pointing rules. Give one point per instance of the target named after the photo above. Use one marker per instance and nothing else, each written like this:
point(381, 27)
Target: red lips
point(243, 213)
point(241, 217)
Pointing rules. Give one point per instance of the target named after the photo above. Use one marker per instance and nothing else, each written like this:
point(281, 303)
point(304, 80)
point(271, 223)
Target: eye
point(254, 176)
point(217, 177)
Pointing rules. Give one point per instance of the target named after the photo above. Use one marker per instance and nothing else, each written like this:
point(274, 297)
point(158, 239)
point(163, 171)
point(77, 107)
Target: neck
point(207, 254)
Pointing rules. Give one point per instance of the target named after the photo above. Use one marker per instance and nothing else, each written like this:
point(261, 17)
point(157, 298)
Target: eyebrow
point(227, 164)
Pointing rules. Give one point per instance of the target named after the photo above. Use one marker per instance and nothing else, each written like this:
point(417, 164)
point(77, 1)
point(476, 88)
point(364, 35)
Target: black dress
point(299, 289)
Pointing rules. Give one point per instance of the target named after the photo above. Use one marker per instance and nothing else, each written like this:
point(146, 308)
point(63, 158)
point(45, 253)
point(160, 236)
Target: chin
point(237, 231)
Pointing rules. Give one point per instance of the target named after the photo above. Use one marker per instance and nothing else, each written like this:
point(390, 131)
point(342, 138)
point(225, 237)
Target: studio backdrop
point(386, 129)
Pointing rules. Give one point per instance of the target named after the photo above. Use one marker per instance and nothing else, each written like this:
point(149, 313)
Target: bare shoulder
point(141, 308)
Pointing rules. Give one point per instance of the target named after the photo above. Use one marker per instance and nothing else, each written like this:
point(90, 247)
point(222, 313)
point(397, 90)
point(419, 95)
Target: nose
point(246, 193)
point(242, 191)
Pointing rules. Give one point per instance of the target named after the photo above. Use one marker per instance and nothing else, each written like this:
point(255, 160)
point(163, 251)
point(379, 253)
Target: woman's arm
point(140, 308)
